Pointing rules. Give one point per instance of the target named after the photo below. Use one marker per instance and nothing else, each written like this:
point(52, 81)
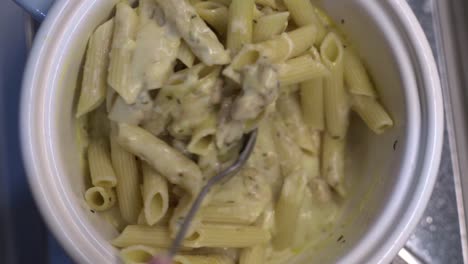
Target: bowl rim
point(67, 230)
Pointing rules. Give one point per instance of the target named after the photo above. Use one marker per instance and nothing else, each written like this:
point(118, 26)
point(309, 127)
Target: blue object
point(37, 8)
point(24, 238)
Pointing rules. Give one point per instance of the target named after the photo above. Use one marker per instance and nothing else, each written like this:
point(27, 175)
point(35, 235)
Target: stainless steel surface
point(437, 238)
point(224, 175)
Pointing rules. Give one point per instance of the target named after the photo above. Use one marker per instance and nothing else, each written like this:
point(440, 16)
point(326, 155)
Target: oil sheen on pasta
point(166, 99)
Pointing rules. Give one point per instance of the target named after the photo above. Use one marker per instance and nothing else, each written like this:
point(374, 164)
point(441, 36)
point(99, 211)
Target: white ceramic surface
point(390, 187)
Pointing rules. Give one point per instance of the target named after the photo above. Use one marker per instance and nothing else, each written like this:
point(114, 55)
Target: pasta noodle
point(169, 162)
point(312, 103)
point(195, 32)
point(373, 113)
point(267, 27)
point(303, 14)
point(155, 195)
point(185, 55)
point(214, 14)
point(123, 46)
point(100, 167)
point(336, 98)
point(289, 108)
point(138, 254)
point(240, 25)
point(128, 184)
point(215, 236)
point(356, 76)
point(301, 69)
point(333, 163)
point(94, 86)
point(99, 198)
point(209, 259)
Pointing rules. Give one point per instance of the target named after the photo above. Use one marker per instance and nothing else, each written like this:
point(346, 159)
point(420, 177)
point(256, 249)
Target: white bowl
point(391, 189)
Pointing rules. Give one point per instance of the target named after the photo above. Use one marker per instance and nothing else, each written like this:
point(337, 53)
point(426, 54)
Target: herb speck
point(340, 238)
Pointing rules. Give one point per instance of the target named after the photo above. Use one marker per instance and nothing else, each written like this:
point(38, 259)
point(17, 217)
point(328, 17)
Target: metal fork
point(226, 174)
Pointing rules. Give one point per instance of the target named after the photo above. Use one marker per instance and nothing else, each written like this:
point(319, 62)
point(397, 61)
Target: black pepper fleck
point(193, 16)
point(169, 97)
point(92, 211)
point(340, 238)
point(395, 145)
point(342, 21)
point(178, 101)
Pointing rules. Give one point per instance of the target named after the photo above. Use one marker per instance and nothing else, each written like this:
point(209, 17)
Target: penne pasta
point(100, 166)
point(372, 113)
point(288, 150)
point(155, 54)
point(157, 237)
point(170, 163)
point(128, 182)
point(301, 69)
point(94, 85)
point(337, 103)
point(209, 164)
point(214, 14)
point(269, 26)
point(138, 254)
point(227, 213)
point(289, 108)
point(201, 39)
point(303, 13)
point(123, 46)
point(311, 164)
point(279, 49)
point(288, 207)
point(265, 155)
point(215, 236)
point(203, 137)
point(202, 259)
point(240, 24)
point(269, 3)
point(312, 103)
point(155, 195)
point(185, 55)
point(356, 77)
point(113, 216)
point(100, 198)
point(223, 2)
point(333, 163)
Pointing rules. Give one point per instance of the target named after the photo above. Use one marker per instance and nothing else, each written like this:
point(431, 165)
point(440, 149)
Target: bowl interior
point(375, 164)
